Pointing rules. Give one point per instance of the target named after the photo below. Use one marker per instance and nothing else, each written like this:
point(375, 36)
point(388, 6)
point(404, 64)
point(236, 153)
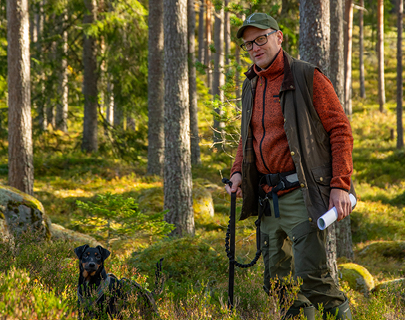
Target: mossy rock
point(22, 211)
point(396, 285)
point(388, 249)
point(60, 233)
point(357, 277)
point(203, 204)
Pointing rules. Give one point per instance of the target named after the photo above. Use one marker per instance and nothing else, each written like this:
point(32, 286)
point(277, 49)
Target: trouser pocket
point(264, 246)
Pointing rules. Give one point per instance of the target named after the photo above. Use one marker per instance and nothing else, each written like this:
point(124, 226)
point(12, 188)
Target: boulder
point(60, 233)
point(394, 286)
point(388, 249)
point(203, 204)
point(21, 212)
point(357, 277)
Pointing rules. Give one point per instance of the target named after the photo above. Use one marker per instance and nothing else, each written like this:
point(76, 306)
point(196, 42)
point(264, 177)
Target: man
point(294, 162)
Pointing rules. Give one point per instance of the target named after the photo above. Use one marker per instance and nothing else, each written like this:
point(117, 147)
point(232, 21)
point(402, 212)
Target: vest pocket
point(323, 176)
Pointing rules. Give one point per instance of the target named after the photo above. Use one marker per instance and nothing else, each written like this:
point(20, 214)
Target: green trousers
point(291, 244)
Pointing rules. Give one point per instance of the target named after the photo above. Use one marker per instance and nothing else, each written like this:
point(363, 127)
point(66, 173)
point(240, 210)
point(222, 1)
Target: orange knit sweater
point(267, 123)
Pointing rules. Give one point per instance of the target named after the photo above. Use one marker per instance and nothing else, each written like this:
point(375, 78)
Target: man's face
point(263, 55)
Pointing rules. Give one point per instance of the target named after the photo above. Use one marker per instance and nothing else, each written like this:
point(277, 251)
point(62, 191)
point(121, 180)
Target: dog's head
point(91, 260)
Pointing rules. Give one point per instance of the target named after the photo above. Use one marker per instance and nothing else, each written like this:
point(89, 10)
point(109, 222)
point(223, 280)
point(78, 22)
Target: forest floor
point(196, 268)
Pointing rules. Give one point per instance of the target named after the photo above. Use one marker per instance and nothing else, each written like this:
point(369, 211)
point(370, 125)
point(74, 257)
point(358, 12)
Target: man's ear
point(104, 252)
point(79, 250)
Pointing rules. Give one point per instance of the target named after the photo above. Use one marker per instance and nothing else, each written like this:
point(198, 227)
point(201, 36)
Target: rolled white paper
point(331, 216)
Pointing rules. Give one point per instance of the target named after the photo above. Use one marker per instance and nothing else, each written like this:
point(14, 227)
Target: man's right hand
point(236, 182)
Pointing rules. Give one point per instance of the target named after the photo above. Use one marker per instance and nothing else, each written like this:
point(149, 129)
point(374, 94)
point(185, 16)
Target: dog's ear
point(104, 252)
point(79, 250)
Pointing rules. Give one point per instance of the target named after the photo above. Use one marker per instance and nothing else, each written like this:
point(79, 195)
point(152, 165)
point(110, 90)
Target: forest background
point(101, 128)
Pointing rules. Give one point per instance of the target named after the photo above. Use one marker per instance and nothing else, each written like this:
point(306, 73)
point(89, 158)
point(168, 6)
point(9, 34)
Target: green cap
point(258, 20)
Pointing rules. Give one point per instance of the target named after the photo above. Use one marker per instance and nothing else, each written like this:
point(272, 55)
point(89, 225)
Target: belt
point(278, 182)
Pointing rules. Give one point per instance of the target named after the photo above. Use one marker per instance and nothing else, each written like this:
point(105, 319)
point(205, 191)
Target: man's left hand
point(341, 200)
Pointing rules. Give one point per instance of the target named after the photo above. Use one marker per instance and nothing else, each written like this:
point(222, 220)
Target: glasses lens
point(261, 40)
point(246, 46)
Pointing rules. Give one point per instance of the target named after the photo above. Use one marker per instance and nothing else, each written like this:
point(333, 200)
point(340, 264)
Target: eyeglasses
point(260, 41)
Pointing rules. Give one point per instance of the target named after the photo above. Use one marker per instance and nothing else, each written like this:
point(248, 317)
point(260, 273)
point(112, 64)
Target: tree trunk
point(361, 51)
point(400, 25)
point(380, 53)
point(118, 116)
point(20, 154)
point(348, 56)
point(90, 78)
point(177, 169)
point(156, 137)
point(110, 102)
point(237, 74)
point(207, 54)
point(195, 146)
point(343, 228)
point(50, 87)
point(344, 238)
point(337, 65)
point(218, 78)
point(314, 47)
point(131, 124)
point(315, 33)
point(227, 34)
point(201, 47)
point(63, 90)
point(40, 103)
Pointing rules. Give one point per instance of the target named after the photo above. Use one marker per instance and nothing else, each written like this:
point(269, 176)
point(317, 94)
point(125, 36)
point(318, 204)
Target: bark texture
point(20, 154)
point(207, 54)
point(400, 93)
point(201, 47)
point(380, 53)
point(315, 33)
point(337, 66)
point(63, 90)
point(90, 79)
point(361, 51)
point(40, 103)
point(344, 242)
point(218, 77)
point(156, 138)
point(177, 169)
point(195, 140)
point(227, 33)
point(348, 55)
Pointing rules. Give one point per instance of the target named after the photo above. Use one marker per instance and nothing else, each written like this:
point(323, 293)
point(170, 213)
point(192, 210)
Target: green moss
point(357, 277)
point(388, 249)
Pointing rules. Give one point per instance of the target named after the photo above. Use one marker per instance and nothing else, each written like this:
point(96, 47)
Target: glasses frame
point(243, 45)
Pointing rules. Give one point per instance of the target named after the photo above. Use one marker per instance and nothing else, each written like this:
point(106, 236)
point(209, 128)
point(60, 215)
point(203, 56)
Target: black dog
point(101, 294)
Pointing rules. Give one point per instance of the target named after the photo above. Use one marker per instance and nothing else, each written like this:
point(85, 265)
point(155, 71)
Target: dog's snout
point(92, 264)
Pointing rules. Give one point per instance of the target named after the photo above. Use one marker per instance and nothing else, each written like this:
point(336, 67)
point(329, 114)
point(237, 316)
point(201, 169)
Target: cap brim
point(242, 29)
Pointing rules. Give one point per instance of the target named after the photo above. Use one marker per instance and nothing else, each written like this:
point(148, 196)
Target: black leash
point(230, 245)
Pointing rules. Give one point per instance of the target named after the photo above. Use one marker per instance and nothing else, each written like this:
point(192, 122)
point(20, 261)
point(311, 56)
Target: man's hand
point(236, 182)
point(341, 200)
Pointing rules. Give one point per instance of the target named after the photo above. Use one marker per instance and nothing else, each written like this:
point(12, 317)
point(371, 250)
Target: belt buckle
point(262, 200)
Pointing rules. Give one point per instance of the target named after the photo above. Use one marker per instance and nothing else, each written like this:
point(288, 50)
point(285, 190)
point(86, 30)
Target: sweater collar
point(274, 70)
point(288, 80)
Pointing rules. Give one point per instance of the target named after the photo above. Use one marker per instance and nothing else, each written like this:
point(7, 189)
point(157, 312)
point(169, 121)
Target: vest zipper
point(264, 128)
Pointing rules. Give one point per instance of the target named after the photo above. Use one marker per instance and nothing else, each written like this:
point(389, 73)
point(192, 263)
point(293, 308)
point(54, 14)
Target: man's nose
point(255, 47)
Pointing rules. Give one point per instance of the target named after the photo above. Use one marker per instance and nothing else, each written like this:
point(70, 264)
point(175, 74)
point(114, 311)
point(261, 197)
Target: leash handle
point(227, 181)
